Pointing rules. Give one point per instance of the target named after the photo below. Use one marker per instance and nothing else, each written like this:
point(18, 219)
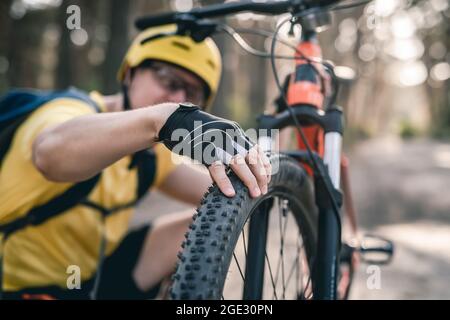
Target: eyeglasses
point(171, 81)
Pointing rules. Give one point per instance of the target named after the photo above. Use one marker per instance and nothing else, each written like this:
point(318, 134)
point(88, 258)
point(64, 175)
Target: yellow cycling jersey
point(38, 256)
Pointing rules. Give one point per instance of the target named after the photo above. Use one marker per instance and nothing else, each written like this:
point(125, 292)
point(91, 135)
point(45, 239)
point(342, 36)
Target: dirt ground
point(401, 192)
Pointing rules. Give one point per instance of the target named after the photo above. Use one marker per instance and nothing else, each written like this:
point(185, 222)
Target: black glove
point(203, 137)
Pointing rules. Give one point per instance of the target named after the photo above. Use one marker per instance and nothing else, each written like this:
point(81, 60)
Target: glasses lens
point(172, 82)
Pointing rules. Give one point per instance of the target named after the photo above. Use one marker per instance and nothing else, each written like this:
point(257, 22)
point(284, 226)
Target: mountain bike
point(287, 243)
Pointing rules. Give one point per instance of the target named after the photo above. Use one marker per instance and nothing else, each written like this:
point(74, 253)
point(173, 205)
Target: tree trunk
point(64, 73)
point(5, 32)
point(117, 44)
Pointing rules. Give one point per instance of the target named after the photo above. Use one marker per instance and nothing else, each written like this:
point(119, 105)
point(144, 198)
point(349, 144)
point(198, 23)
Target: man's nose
point(178, 96)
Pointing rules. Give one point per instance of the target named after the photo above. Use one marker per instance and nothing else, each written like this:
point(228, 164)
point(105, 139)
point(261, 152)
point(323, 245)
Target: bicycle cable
point(349, 6)
point(296, 122)
point(235, 34)
point(302, 134)
point(245, 46)
point(310, 60)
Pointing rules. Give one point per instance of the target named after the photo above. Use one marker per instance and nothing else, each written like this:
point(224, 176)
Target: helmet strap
point(124, 85)
point(126, 99)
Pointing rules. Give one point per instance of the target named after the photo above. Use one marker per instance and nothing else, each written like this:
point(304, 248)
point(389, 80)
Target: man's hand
point(254, 170)
point(217, 143)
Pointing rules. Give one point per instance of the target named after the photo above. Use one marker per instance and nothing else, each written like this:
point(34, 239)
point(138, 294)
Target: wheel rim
point(286, 267)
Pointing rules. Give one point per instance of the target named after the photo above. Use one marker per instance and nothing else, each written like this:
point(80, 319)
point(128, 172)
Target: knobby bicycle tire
point(208, 249)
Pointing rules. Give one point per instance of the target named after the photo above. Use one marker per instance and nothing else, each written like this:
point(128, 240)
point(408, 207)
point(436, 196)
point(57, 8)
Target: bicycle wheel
point(252, 233)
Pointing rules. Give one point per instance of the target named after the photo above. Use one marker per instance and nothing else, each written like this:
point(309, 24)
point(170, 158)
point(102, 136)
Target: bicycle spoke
point(292, 269)
point(243, 240)
point(298, 272)
point(308, 282)
point(274, 297)
point(282, 229)
point(271, 275)
point(295, 265)
point(288, 267)
point(239, 267)
point(281, 236)
point(291, 272)
point(285, 217)
point(309, 297)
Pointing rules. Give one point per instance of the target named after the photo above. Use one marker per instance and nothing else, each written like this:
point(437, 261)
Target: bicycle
point(306, 185)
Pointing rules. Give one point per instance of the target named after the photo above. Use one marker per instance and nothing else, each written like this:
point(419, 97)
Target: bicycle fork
point(328, 198)
point(325, 268)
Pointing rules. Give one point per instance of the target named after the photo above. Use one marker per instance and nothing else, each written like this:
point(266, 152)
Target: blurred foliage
point(397, 51)
point(355, 134)
point(408, 131)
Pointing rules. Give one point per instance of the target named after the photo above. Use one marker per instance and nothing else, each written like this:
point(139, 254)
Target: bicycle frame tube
point(257, 240)
point(328, 246)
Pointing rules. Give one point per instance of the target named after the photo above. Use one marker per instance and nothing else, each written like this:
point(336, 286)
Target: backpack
point(15, 107)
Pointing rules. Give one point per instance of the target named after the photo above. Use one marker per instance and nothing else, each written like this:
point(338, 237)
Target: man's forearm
point(187, 183)
point(80, 148)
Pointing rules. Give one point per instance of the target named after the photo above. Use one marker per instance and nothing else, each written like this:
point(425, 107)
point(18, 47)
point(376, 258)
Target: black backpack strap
point(7, 134)
point(68, 199)
point(145, 160)
point(146, 172)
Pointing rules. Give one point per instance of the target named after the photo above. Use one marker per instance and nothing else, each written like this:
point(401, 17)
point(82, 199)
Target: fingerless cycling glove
point(203, 137)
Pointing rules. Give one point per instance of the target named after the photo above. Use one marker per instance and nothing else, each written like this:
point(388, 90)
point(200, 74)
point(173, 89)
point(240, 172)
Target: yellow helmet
point(202, 59)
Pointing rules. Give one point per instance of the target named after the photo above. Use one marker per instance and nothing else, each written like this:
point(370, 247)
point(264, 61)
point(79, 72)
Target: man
point(65, 142)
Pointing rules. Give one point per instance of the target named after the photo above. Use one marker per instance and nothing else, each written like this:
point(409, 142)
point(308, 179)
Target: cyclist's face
point(165, 83)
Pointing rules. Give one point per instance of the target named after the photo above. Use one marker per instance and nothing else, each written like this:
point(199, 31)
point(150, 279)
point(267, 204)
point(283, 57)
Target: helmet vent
point(180, 45)
point(211, 64)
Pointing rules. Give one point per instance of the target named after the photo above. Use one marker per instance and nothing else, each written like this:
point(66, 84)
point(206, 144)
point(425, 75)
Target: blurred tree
point(223, 102)
point(143, 7)
point(5, 32)
point(257, 77)
point(439, 91)
point(64, 73)
point(24, 47)
point(117, 45)
point(31, 35)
